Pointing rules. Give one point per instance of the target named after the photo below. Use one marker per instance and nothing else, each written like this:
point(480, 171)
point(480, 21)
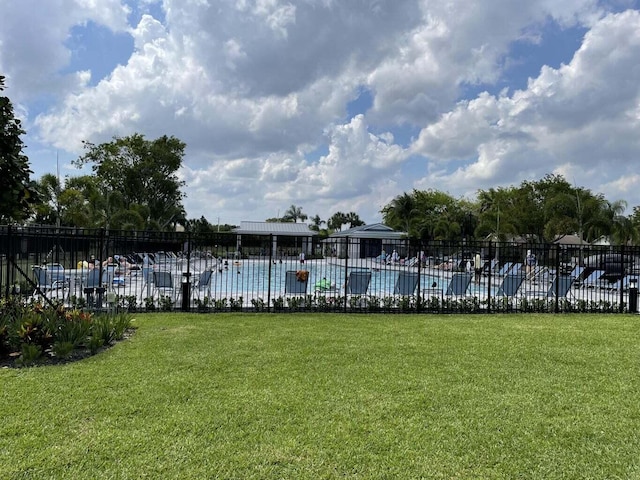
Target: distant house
point(367, 241)
point(297, 237)
point(569, 240)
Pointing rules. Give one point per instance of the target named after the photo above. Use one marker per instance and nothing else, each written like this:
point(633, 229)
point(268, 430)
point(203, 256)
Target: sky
point(334, 105)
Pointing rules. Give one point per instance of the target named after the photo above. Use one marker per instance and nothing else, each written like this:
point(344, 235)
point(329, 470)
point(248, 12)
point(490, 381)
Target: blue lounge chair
point(163, 284)
point(623, 283)
point(560, 286)
point(406, 283)
point(358, 282)
point(94, 288)
point(510, 285)
point(459, 284)
point(593, 279)
point(295, 282)
point(504, 269)
point(203, 284)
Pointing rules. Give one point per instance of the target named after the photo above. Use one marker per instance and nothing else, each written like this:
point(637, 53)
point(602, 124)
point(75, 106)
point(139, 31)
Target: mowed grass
point(241, 396)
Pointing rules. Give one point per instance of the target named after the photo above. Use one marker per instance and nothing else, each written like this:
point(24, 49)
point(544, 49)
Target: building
point(296, 237)
point(368, 241)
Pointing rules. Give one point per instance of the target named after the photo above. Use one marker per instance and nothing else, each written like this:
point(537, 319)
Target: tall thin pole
point(57, 193)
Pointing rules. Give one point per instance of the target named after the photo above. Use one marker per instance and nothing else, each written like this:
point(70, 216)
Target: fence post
point(419, 257)
point(556, 308)
point(489, 277)
point(346, 270)
point(186, 280)
point(8, 261)
point(622, 274)
point(270, 272)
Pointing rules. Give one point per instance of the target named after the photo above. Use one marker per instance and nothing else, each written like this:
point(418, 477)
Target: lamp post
point(633, 295)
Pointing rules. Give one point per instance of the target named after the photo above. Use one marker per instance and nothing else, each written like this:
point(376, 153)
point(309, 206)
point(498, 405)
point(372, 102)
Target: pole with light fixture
point(633, 295)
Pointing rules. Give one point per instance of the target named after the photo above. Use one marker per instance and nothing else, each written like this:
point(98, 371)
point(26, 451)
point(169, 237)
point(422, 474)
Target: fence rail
point(146, 271)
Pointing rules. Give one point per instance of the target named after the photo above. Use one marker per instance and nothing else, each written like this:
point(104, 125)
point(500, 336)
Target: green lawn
point(331, 396)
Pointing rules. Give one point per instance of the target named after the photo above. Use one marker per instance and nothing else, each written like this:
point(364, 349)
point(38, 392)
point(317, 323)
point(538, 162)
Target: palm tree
point(50, 210)
point(294, 213)
point(624, 232)
point(316, 223)
point(353, 219)
point(399, 214)
point(336, 221)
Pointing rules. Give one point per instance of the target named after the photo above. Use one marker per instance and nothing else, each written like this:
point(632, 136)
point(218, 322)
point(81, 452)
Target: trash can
point(186, 292)
point(633, 295)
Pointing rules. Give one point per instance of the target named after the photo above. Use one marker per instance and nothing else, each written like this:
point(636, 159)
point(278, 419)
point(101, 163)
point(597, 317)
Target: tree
point(49, 210)
point(18, 193)
point(316, 222)
point(497, 214)
point(353, 219)
point(294, 213)
point(143, 173)
point(336, 221)
point(400, 213)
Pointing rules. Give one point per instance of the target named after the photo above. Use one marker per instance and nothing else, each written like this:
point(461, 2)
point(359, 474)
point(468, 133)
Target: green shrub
point(166, 303)
point(235, 304)
point(259, 304)
point(73, 328)
point(149, 304)
point(30, 354)
point(62, 349)
point(128, 302)
point(101, 329)
point(372, 304)
point(36, 328)
point(220, 304)
point(203, 305)
point(121, 322)
point(278, 303)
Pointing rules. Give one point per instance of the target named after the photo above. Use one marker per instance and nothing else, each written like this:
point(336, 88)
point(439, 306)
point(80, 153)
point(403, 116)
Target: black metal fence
point(147, 271)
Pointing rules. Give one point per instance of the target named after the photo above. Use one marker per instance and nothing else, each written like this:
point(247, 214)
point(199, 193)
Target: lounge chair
point(295, 282)
point(411, 262)
point(510, 285)
point(94, 288)
point(623, 283)
point(537, 274)
point(459, 284)
point(593, 279)
point(504, 269)
point(560, 286)
point(490, 267)
point(163, 285)
point(45, 281)
point(516, 269)
point(203, 284)
point(406, 283)
point(358, 282)
point(577, 272)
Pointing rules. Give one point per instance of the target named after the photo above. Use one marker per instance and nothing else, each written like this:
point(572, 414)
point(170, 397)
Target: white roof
point(375, 230)
point(276, 228)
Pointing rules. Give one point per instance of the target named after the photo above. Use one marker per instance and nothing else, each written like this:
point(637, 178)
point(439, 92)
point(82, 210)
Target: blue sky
point(330, 105)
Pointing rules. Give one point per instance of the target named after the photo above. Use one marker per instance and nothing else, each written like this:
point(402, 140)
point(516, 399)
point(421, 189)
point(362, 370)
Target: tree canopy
point(18, 193)
point(135, 183)
point(537, 210)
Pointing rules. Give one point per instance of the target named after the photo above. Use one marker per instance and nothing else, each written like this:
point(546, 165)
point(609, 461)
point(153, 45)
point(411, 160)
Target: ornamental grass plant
point(308, 396)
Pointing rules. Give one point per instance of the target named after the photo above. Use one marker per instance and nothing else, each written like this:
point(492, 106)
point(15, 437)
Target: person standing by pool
point(477, 266)
point(530, 262)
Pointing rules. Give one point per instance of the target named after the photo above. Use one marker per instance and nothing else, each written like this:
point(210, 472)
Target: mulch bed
point(9, 361)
